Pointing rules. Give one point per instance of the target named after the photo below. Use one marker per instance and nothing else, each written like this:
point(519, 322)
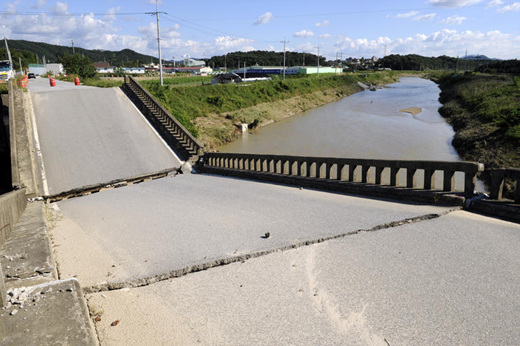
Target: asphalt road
point(92, 136)
point(448, 281)
point(153, 228)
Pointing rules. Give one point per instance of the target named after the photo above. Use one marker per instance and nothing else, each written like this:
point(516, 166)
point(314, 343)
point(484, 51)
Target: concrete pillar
point(379, 173)
point(410, 177)
point(429, 179)
point(364, 174)
point(394, 176)
point(448, 180)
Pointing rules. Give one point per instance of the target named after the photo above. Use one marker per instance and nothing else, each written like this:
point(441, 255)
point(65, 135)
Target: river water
point(366, 125)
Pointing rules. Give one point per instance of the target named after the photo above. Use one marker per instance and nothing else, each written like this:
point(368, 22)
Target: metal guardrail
point(170, 128)
point(349, 170)
point(498, 178)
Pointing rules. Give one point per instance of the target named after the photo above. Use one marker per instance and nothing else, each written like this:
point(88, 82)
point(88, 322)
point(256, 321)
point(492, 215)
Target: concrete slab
point(147, 232)
point(92, 135)
point(449, 280)
point(48, 314)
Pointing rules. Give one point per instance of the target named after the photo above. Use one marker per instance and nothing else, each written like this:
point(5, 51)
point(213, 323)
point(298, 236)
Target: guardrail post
point(394, 176)
point(429, 179)
point(352, 173)
point(339, 171)
point(497, 184)
point(448, 180)
point(379, 173)
point(364, 174)
point(410, 177)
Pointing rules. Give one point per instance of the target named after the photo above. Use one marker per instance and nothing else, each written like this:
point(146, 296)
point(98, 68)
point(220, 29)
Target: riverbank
point(218, 128)
point(484, 112)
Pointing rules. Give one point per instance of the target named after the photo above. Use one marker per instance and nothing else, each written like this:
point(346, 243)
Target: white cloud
point(454, 3)
point(454, 20)
point(515, 6)
point(60, 7)
point(264, 18)
point(303, 33)
point(325, 36)
point(11, 6)
point(224, 43)
point(407, 15)
point(444, 42)
point(495, 3)
point(39, 4)
point(429, 16)
point(321, 24)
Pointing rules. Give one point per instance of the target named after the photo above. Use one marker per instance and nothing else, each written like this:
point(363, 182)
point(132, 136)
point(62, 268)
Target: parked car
point(31, 75)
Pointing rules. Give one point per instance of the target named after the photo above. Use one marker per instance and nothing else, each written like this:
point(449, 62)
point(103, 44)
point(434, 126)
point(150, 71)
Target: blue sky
point(205, 28)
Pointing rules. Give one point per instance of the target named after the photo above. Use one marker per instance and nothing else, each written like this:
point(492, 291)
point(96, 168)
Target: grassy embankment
point(212, 112)
point(484, 111)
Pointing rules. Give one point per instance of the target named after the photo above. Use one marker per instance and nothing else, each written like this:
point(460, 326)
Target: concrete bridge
point(113, 237)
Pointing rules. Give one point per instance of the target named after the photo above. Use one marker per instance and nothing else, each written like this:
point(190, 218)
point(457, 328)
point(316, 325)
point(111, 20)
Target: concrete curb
point(53, 313)
point(40, 309)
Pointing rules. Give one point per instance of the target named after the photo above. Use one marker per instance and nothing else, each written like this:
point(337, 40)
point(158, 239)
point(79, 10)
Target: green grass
point(187, 104)
point(3, 88)
point(484, 110)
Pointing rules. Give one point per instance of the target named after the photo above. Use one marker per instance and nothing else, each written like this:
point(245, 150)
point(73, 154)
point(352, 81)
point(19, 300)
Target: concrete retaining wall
point(12, 205)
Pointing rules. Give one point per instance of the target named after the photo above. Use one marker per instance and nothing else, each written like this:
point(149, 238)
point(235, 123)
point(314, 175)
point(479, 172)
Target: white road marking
point(38, 149)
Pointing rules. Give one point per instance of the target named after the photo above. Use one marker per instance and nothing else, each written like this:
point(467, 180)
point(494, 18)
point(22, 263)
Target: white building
point(194, 63)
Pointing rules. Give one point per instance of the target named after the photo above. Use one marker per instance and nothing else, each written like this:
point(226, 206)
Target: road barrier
point(351, 175)
point(171, 130)
point(498, 178)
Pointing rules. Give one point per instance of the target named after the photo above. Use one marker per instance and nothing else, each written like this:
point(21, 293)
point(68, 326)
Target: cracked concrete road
point(449, 280)
point(157, 229)
point(91, 136)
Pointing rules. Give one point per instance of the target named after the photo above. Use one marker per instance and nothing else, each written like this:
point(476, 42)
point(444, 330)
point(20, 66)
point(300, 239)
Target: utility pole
point(73, 52)
point(284, 42)
point(303, 58)
point(156, 14)
point(318, 61)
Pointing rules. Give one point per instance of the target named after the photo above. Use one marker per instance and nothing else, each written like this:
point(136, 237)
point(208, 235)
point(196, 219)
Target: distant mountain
point(478, 57)
point(125, 57)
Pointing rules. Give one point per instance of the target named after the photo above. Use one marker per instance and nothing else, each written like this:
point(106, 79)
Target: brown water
point(364, 125)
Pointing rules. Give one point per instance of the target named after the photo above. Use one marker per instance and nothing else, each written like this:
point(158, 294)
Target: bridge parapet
point(498, 178)
point(172, 131)
point(348, 172)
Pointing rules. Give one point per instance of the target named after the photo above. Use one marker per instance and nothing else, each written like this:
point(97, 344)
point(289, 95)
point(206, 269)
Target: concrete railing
point(349, 172)
point(170, 128)
point(498, 178)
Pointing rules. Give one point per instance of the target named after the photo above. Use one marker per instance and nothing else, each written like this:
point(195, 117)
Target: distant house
point(253, 76)
point(194, 63)
point(133, 70)
point(226, 78)
point(55, 69)
point(103, 67)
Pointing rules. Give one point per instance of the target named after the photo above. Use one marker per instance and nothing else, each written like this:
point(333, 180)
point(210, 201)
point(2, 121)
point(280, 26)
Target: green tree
point(77, 64)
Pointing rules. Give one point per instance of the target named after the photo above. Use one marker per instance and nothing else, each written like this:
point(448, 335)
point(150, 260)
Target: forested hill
point(38, 50)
